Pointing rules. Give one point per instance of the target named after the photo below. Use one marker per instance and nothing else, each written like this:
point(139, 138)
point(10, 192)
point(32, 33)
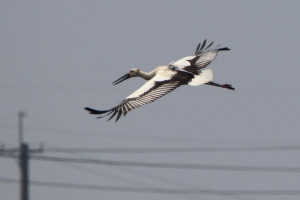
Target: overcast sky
point(56, 57)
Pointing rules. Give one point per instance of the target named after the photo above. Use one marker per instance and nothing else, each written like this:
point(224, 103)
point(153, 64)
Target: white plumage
point(205, 77)
point(164, 79)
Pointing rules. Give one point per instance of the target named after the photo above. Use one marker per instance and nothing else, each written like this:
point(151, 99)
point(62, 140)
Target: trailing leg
point(228, 86)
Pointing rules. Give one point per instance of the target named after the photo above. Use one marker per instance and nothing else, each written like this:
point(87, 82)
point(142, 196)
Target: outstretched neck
point(146, 75)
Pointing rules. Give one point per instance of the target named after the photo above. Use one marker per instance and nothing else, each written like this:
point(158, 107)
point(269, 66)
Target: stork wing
point(203, 57)
point(153, 89)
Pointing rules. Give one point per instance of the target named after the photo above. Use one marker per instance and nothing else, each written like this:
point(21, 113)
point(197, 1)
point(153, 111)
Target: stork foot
point(228, 86)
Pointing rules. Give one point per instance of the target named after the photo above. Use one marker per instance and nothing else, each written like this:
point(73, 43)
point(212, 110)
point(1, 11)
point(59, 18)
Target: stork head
point(132, 73)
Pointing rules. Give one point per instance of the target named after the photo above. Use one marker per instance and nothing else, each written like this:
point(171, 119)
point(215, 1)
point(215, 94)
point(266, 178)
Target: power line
point(170, 165)
point(164, 165)
point(156, 190)
point(175, 150)
point(50, 87)
point(106, 135)
point(8, 155)
point(128, 136)
point(119, 178)
point(136, 172)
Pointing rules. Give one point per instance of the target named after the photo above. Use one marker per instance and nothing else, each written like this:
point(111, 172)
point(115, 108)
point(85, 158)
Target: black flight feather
point(203, 44)
point(96, 112)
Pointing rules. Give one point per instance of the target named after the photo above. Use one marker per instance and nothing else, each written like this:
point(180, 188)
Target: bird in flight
point(164, 79)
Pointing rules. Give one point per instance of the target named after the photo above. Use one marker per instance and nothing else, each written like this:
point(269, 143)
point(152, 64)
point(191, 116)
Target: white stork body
point(163, 73)
point(164, 79)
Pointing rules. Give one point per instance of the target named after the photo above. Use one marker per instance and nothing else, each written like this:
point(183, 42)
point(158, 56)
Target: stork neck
point(146, 75)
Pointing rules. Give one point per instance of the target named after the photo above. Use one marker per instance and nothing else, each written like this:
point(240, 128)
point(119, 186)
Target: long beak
point(123, 78)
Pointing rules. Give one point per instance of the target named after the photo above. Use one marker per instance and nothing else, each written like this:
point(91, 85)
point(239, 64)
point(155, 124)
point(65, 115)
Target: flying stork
point(164, 79)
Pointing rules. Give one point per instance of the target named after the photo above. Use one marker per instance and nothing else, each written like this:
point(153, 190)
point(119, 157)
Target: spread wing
point(204, 55)
point(153, 89)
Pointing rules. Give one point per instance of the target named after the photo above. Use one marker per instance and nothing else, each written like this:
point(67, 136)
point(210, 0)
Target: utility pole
point(24, 156)
point(23, 161)
point(21, 115)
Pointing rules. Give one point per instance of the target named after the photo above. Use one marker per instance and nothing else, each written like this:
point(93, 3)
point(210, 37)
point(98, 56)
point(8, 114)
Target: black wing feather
point(197, 48)
point(203, 44)
point(96, 112)
point(197, 62)
point(202, 49)
point(209, 45)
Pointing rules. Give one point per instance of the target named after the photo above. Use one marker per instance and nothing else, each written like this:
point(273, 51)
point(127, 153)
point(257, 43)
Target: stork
point(164, 79)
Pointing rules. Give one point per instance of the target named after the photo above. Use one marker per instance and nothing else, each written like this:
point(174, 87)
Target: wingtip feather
point(95, 112)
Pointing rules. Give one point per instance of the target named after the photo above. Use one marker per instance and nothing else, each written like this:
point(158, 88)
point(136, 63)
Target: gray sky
point(57, 57)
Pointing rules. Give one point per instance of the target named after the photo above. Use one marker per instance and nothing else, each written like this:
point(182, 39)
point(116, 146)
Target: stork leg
point(228, 86)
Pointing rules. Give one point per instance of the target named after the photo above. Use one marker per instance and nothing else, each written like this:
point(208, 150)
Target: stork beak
point(123, 78)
